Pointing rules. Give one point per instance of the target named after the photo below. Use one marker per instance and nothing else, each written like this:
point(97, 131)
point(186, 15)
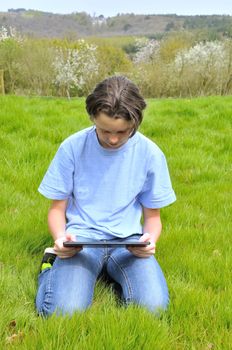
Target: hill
point(50, 25)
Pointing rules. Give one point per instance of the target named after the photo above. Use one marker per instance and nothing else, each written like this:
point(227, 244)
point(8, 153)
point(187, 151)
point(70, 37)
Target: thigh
point(69, 285)
point(141, 279)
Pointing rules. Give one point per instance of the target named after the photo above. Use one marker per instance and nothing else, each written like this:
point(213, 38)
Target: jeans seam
point(129, 287)
point(48, 293)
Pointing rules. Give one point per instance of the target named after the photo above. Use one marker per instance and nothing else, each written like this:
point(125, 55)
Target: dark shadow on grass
point(111, 284)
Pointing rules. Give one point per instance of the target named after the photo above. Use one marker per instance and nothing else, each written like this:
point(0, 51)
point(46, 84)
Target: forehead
point(107, 123)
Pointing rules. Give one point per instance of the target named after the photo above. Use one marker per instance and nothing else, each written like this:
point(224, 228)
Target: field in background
point(194, 250)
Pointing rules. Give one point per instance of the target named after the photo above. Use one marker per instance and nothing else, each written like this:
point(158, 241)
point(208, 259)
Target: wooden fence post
point(2, 87)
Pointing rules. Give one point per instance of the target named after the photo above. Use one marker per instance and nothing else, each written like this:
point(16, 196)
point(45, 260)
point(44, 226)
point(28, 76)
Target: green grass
point(194, 250)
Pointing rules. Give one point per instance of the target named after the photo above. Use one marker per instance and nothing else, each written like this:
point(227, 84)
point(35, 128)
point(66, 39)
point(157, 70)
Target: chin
point(114, 146)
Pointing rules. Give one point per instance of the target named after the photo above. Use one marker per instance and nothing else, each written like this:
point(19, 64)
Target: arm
point(151, 231)
point(56, 218)
point(56, 224)
point(152, 223)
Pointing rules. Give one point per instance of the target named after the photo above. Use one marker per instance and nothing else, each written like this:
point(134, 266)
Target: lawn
point(195, 248)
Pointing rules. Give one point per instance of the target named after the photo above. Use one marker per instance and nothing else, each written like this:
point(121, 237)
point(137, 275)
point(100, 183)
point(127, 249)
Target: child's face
point(112, 132)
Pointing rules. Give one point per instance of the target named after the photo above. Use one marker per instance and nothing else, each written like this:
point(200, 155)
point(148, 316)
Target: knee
point(70, 308)
point(46, 310)
point(155, 303)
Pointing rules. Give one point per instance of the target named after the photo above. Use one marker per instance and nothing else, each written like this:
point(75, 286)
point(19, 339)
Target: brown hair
point(117, 97)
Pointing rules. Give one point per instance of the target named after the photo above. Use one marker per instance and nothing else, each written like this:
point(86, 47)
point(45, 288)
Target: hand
point(143, 252)
point(62, 251)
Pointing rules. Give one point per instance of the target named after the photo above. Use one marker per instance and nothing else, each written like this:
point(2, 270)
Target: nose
point(113, 139)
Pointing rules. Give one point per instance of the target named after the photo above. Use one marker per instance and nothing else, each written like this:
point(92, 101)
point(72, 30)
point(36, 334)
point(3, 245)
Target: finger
point(149, 248)
point(141, 252)
point(70, 237)
point(64, 255)
point(145, 237)
point(139, 255)
point(60, 250)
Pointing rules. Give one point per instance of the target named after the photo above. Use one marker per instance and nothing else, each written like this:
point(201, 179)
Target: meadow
point(195, 248)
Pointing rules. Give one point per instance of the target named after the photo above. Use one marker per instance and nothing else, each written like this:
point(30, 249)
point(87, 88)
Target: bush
point(75, 69)
point(203, 69)
point(173, 43)
point(35, 70)
point(57, 67)
point(178, 65)
point(10, 52)
point(112, 60)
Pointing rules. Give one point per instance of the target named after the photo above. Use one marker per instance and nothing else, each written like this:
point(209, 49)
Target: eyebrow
point(127, 129)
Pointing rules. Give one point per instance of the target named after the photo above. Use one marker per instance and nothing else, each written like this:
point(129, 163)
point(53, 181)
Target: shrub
point(146, 50)
point(202, 70)
point(10, 51)
point(75, 68)
point(34, 68)
point(112, 60)
point(173, 43)
point(178, 65)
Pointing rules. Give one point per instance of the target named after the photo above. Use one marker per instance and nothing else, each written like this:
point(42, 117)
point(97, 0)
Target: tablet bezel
point(105, 243)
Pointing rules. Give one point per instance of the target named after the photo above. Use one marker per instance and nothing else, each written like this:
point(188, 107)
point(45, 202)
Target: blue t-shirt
point(107, 188)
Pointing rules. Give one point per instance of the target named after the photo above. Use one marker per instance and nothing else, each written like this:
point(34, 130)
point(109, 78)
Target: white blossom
point(3, 34)
point(203, 56)
point(146, 50)
point(74, 67)
point(10, 33)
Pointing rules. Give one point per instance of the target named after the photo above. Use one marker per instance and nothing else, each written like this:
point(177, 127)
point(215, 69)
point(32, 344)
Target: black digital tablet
point(105, 243)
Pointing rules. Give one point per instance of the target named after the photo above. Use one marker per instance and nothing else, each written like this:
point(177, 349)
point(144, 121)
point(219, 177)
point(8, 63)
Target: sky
point(111, 8)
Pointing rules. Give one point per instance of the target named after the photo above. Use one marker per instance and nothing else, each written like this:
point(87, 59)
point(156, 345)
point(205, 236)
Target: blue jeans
point(69, 285)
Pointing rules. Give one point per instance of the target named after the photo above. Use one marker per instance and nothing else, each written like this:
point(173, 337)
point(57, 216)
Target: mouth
point(114, 146)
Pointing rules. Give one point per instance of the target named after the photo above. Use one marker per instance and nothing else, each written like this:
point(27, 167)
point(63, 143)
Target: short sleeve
point(157, 191)
point(57, 183)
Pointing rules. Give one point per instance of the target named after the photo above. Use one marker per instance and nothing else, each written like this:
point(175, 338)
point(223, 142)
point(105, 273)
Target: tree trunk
point(2, 87)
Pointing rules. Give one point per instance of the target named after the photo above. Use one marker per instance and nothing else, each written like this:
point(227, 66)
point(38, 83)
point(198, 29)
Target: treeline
point(80, 24)
point(178, 65)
